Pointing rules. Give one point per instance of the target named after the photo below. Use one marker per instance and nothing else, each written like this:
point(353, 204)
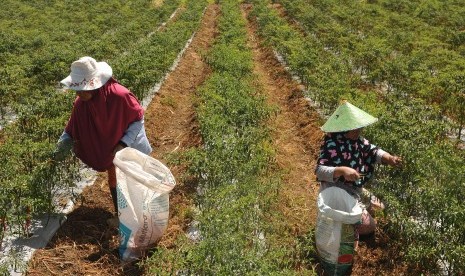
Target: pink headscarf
point(97, 125)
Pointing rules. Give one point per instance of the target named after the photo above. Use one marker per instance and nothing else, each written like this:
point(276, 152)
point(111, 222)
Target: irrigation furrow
point(295, 132)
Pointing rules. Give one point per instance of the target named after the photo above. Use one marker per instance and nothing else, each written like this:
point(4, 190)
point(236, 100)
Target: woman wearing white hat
point(106, 117)
point(347, 160)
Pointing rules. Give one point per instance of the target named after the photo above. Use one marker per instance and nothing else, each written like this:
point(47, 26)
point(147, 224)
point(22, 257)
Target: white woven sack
point(335, 207)
point(143, 186)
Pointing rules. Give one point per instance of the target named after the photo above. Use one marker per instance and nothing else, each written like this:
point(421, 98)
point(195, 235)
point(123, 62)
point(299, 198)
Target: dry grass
point(157, 3)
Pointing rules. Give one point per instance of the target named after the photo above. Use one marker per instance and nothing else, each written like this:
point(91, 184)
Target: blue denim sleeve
point(131, 132)
point(64, 138)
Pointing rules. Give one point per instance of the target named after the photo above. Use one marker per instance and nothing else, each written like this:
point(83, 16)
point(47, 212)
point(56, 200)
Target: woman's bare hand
point(349, 174)
point(392, 160)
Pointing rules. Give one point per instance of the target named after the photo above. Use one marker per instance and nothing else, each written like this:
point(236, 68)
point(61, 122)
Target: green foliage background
point(41, 40)
point(396, 62)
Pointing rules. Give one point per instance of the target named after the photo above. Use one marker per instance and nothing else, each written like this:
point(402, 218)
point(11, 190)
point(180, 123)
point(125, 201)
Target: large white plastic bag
point(334, 234)
point(143, 186)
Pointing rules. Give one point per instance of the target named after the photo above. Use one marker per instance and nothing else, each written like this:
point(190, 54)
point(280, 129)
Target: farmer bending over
point(106, 117)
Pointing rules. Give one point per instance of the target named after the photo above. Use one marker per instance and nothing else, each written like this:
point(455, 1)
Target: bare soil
point(295, 132)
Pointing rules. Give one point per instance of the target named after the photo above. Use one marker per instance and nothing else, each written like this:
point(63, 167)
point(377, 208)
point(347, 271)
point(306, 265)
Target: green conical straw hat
point(348, 117)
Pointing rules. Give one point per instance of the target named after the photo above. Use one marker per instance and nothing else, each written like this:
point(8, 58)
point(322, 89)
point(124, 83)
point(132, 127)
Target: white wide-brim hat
point(348, 117)
point(87, 74)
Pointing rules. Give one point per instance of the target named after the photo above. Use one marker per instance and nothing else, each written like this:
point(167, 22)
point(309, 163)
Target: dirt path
point(171, 123)
point(84, 245)
point(295, 132)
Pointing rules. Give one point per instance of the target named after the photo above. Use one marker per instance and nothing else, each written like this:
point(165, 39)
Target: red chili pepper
point(345, 259)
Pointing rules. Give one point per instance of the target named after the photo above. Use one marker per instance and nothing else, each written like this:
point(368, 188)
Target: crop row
point(417, 48)
point(41, 39)
point(237, 185)
point(424, 209)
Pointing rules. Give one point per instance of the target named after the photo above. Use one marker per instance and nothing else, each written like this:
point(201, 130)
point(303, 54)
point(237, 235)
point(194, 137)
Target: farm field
point(238, 123)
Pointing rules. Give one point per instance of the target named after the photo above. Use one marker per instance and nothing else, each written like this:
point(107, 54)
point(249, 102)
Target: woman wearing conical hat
point(347, 160)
